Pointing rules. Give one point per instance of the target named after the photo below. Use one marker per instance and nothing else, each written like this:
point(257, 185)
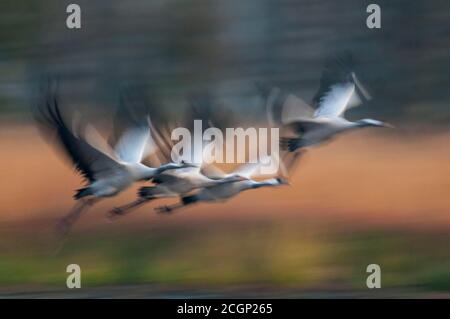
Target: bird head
point(371, 122)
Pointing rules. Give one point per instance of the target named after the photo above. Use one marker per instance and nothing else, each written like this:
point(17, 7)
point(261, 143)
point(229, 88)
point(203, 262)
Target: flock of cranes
point(139, 147)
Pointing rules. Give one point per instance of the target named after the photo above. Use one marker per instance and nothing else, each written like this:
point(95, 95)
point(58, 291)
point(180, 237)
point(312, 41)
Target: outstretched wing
point(334, 102)
point(131, 132)
point(289, 163)
point(131, 147)
point(202, 106)
point(301, 126)
point(337, 91)
point(159, 143)
point(247, 170)
point(199, 115)
point(212, 171)
point(281, 107)
point(166, 177)
point(89, 161)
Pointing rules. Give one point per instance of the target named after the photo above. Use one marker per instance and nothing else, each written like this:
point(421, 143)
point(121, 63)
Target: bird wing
point(212, 171)
point(282, 107)
point(166, 177)
point(89, 161)
point(335, 101)
point(131, 132)
point(247, 170)
point(199, 108)
point(273, 102)
point(296, 108)
point(161, 135)
point(302, 125)
point(160, 129)
point(131, 147)
point(337, 91)
point(203, 106)
point(289, 163)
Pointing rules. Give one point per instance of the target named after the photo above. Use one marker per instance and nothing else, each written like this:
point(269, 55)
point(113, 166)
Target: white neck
point(140, 171)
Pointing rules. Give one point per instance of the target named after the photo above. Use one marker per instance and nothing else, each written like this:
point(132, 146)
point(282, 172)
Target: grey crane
point(106, 171)
point(339, 90)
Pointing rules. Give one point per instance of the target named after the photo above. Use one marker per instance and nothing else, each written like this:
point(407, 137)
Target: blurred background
point(373, 196)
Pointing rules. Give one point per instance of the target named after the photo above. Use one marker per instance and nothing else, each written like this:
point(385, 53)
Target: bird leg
point(127, 208)
point(291, 144)
point(66, 223)
point(290, 160)
point(168, 209)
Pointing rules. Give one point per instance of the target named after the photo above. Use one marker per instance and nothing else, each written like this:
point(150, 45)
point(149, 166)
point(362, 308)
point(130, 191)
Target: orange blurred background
point(375, 176)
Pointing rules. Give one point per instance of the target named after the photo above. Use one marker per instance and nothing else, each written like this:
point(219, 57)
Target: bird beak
point(388, 125)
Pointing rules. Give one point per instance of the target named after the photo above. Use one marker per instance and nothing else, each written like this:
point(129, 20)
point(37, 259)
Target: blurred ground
point(375, 196)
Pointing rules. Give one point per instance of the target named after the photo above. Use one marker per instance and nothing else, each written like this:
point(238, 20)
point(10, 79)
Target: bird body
point(181, 186)
point(121, 179)
point(239, 180)
point(319, 129)
point(173, 183)
point(221, 192)
point(106, 171)
point(227, 190)
point(339, 90)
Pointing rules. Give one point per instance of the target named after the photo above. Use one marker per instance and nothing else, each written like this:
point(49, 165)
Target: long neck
point(229, 179)
point(141, 171)
point(164, 168)
point(265, 183)
point(362, 123)
point(206, 181)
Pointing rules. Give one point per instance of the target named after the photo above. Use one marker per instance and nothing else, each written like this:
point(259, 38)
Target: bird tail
point(291, 144)
point(189, 199)
point(82, 192)
point(147, 192)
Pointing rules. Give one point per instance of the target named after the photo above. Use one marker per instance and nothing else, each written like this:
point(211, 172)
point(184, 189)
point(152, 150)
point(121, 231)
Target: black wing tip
point(291, 144)
point(337, 69)
point(82, 192)
point(133, 106)
point(200, 106)
point(264, 88)
point(48, 111)
point(343, 62)
point(186, 200)
point(144, 192)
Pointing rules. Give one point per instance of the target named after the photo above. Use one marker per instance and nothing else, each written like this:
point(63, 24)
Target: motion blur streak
point(402, 179)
